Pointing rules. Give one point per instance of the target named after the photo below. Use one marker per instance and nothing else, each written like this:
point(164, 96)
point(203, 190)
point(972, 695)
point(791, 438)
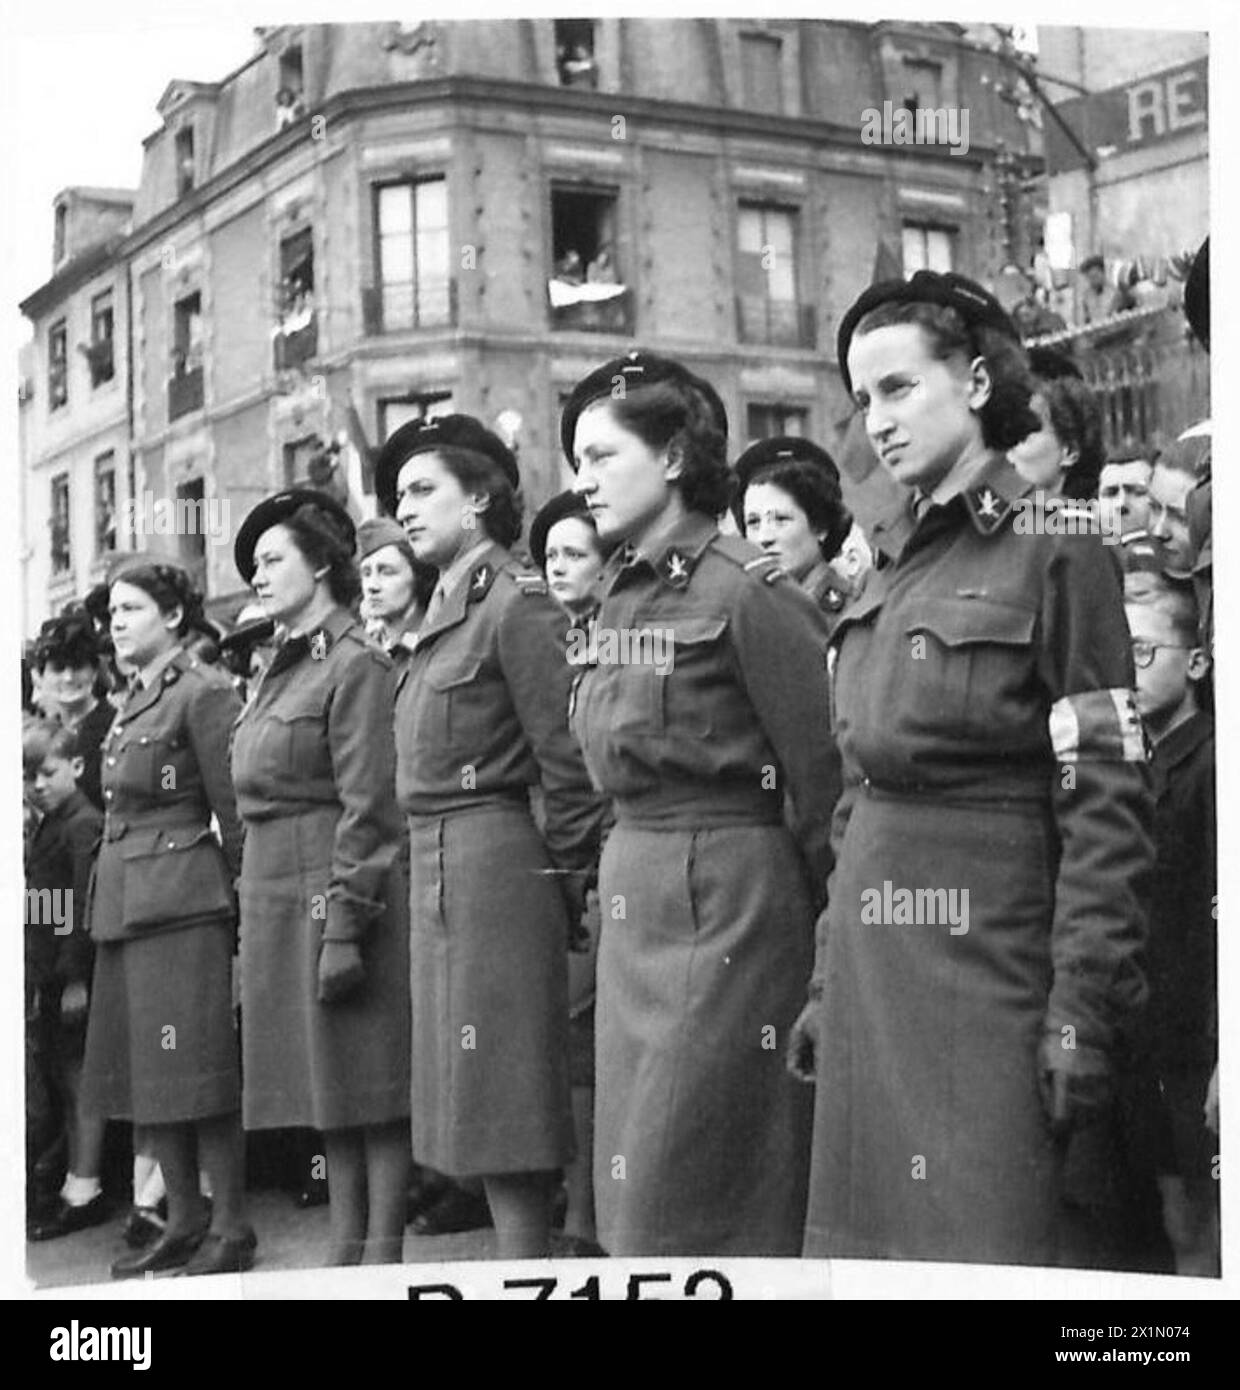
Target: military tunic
point(990, 849)
point(162, 907)
point(313, 765)
point(481, 720)
point(723, 774)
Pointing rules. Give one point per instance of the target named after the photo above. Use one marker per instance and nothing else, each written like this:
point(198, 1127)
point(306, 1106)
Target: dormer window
point(58, 236)
point(184, 147)
point(574, 53)
point(923, 84)
point(290, 96)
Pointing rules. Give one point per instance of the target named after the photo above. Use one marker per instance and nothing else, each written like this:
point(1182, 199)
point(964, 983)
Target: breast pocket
point(457, 700)
point(296, 736)
point(695, 690)
point(149, 763)
point(967, 656)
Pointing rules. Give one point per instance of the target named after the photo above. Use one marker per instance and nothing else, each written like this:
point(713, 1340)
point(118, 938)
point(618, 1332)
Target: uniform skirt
point(490, 1091)
point(930, 1140)
point(307, 1064)
point(701, 1136)
point(161, 1039)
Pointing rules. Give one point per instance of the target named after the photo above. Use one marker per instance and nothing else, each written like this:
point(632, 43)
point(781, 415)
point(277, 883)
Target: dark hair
point(1129, 453)
point(817, 494)
point(170, 587)
point(1076, 420)
point(1090, 262)
point(1174, 598)
point(1007, 416)
point(318, 537)
point(69, 640)
point(673, 415)
point(475, 472)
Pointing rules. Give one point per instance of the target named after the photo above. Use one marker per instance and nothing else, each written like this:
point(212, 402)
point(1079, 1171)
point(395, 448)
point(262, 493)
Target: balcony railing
point(294, 348)
point(184, 393)
point(776, 322)
point(1151, 378)
point(400, 306)
point(613, 314)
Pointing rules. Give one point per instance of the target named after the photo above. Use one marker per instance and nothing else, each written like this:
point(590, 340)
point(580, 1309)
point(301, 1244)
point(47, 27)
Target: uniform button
point(111, 760)
point(108, 793)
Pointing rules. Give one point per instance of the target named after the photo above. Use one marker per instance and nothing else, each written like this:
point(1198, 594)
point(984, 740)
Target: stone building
point(368, 222)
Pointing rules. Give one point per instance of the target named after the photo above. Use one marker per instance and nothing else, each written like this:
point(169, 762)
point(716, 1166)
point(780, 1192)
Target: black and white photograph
point(616, 621)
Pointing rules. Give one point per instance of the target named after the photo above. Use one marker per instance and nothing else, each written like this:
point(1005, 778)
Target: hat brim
point(271, 511)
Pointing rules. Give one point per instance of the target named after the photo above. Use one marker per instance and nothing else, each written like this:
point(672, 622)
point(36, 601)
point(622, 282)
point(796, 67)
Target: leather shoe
point(64, 1220)
point(168, 1252)
point(145, 1224)
point(456, 1211)
point(223, 1255)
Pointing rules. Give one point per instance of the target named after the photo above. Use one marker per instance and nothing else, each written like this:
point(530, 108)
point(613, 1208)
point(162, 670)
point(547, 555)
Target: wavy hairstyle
point(676, 416)
point(1007, 416)
point(316, 534)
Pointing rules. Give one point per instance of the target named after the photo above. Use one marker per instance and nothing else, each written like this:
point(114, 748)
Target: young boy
point(1180, 1033)
point(58, 964)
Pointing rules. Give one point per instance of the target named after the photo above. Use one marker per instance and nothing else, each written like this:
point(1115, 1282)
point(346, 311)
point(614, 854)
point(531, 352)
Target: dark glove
point(1075, 1083)
point(341, 971)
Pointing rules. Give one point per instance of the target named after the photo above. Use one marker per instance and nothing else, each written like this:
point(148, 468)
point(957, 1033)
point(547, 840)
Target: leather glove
point(1074, 1083)
point(341, 971)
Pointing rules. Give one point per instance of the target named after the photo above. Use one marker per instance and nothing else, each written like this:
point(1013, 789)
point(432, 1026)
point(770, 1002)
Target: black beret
point(273, 510)
point(637, 368)
point(784, 448)
point(1197, 295)
point(978, 307)
point(446, 432)
point(1090, 261)
point(563, 504)
point(125, 562)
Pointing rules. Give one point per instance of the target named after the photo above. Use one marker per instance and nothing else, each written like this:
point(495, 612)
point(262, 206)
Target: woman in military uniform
point(708, 893)
point(565, 546)
point(161, 1047)
point(395, 586)
point(789, 504)
point(481, 719)
point(324, 937)
point(979, 959)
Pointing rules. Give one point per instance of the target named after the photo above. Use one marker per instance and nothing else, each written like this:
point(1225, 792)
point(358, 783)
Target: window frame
point(803, 318)
point(948, 229)
point(61, 484)
point(58, 365)
point(379, 315)
point(105, 465)
point(750, 40)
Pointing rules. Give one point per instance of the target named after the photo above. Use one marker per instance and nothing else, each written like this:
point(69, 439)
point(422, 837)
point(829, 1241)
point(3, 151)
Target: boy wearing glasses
point(1180, 1036)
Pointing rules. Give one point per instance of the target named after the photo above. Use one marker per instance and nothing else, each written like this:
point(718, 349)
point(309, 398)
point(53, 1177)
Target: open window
point(290, 94)
point(574, 53)
point(395, 411)
point(105, 503)
point(57, 365)
point(58, 524)
point(99, 351)
point(297, 327)
point(184, 154)
point(586, 288)
point(185, 383)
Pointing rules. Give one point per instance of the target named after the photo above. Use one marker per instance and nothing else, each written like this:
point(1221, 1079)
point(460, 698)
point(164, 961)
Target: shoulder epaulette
point(741, 552)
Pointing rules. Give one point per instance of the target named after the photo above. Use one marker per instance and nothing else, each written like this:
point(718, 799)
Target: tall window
point(105, 503)
point(574, 53)
point(927, 248)
point(57, 365)
point(290, 99)
point(185, 384)
point(586, 288)
point(769, 421)
point(761, 72)
point(413, 259)
point(184, 153)
point(99, 351)
point(297, 339)
point(59, 524)
point(58, 236)
point(192, 540)
point(767, 299)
